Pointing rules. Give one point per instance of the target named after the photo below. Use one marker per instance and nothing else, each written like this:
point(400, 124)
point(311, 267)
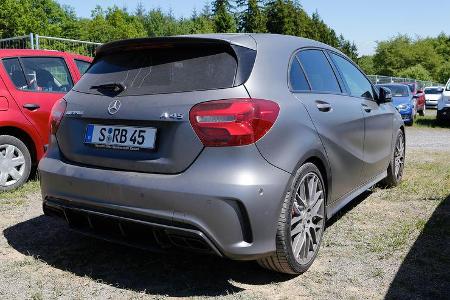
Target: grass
point(429, 121)
point(396, 237)
point(18, 197)
point(426, 177)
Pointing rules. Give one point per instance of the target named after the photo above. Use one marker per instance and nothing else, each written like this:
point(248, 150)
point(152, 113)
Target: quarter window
point(46, 74)
point(82, 65)
point(297, 77)
point(318, 71)
point(357, 83)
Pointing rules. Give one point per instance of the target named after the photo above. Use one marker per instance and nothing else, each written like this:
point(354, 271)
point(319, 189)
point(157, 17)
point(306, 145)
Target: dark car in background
point(403, 100)
point(31, 81)
point(242, 145)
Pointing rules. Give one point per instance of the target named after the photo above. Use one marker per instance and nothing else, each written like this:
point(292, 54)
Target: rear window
point(398, 90)
point(158, 71)
point(433, 91)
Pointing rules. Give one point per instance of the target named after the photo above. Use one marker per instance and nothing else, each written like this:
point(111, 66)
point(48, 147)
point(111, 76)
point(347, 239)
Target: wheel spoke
point(302, 199)
point(296, 229)
point(316, 207)
point(297, 244)
point(312, 187)
point(3, 178)
point(9, 154)
point(17, 161)
point(15, 174)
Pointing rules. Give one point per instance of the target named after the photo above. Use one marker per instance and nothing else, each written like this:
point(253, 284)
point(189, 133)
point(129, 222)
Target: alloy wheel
point(399, 157)
point(307, 221)
point(12, 165)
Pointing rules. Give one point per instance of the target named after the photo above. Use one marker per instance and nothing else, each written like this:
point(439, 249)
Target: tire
point(303, 219)
point(14, 155)
point(422, 112)
point(394, 177)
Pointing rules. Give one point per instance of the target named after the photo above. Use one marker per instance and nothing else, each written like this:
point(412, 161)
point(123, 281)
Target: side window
point(357, 83)
point(14, 70)
point(318, 71)
point(82, 65)
point(46, 74)
point(297, 77)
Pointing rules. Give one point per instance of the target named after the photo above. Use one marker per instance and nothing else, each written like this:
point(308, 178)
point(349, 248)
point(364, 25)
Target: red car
point(419, 95)
point(31, 81)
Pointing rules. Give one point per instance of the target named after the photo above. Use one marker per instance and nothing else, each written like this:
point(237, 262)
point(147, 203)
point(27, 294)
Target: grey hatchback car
point(242, 145)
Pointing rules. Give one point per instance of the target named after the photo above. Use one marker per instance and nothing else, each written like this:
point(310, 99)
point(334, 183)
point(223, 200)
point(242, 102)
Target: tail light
point(58, 110)
point(233, 122)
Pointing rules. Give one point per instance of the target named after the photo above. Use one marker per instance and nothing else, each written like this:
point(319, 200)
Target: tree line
point(47, 17)
point(424, 59)
point(418, 58)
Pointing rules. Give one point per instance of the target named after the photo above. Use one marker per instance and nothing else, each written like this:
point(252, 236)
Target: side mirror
point(385, 95)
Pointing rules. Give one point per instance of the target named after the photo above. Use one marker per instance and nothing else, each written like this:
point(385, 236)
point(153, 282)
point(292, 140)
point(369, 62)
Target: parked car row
point(410, 101)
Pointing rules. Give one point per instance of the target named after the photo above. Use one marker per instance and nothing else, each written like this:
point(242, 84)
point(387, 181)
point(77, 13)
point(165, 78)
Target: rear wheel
point(301, 223)
point(397, 164)
point(15, 163)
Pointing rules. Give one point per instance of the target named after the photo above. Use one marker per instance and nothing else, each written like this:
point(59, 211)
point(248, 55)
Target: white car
point(443, 108)
point(432, 96)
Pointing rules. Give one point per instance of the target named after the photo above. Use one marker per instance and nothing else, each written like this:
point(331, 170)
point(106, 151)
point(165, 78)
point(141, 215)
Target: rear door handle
point(366, 108)
point(323, 106)
point(31, 106)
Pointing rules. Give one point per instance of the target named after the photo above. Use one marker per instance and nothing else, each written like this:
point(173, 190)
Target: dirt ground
point(386, 244)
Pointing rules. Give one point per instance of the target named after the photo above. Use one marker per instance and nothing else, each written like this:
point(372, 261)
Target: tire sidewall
point(11, 140)
point(301, 172)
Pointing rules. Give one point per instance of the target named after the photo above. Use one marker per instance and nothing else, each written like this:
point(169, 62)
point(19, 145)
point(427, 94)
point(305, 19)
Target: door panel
point(340, 123)
point(378, 137)
point(36, 83)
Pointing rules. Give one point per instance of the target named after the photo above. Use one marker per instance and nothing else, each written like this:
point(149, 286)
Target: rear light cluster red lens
point(58, 110)
point(233, 122)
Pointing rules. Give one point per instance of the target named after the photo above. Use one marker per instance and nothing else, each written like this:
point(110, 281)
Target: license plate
point(120, 137)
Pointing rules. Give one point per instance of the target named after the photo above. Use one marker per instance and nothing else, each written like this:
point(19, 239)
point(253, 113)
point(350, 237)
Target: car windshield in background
point(433, 91)
point(157, 71)
point(398, 90)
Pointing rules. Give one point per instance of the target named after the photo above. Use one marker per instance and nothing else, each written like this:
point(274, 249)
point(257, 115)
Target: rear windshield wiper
point(115, 87)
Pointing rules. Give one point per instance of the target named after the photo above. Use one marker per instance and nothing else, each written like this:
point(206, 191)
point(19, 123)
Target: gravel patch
point(428, 139)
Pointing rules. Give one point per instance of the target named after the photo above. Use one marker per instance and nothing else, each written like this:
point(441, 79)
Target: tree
point(365, 62)
point(415, 72)
point(443, 73)
point(253, 18)
point(223, 20)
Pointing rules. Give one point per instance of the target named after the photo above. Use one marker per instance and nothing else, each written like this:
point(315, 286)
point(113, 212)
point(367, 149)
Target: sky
point(363, 22)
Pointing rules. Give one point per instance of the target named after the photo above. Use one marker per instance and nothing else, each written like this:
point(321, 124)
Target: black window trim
point(341, 85)
point(348, 93)
point(34, 56)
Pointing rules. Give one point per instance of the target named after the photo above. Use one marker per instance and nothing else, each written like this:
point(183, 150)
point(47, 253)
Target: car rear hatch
point(156, 82)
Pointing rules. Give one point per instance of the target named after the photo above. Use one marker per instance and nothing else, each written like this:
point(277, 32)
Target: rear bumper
point(229, 199)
